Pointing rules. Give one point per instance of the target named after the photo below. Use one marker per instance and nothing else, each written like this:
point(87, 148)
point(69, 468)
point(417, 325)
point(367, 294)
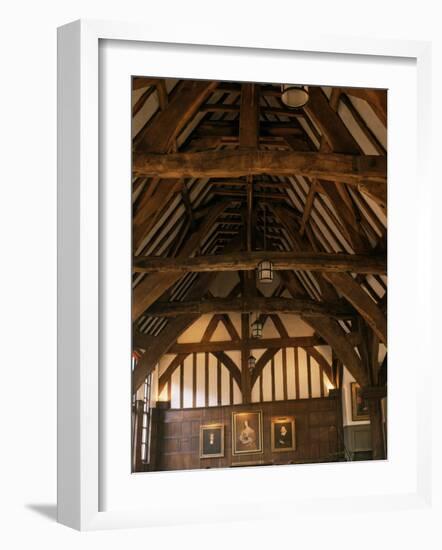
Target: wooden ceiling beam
point(152, 287)
point(157, 346)
point(150, 208)
point(240, 193)
point(245, 261)
point(160, 135)
point(335, 132)
point(377, 192)
point(327, 119)
point(246, 304)
point(213, 142)
point(249, 116)
point(377, 99)
point(139, 82)
point(226, 129)
point(300, 242)
point(351, 169)
point(361, 301)
point(232, 345)
point(242, 183)
point(333, 334)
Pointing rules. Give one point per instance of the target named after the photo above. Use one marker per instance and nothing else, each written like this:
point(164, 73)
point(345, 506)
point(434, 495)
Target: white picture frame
point(82, 401)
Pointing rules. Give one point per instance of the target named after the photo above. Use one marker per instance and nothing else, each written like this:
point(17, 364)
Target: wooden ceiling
point(225, 174)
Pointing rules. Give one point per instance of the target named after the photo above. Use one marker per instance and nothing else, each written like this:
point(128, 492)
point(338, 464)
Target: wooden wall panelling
point(316, 434)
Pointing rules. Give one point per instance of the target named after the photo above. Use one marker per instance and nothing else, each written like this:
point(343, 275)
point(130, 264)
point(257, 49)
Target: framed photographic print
point(180, 166)
point(211, 440)
point(359, 405)
point(247, 432)
point(283, 434)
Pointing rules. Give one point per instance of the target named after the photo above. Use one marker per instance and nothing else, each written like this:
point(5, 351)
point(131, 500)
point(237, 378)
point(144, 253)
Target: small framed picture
point(247, 432)
point(359, 406)
point(283, 434)
point(211, 440)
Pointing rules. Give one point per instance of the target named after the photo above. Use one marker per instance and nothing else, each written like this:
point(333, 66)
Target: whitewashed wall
point(181, 383)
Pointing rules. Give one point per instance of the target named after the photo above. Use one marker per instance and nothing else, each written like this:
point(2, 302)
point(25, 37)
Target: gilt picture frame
point(359, 406)
point(247, 436)
point(87, 491)
point(283, 434)
point(212, 441)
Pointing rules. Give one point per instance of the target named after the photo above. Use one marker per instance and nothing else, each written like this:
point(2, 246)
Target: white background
point(28, 275)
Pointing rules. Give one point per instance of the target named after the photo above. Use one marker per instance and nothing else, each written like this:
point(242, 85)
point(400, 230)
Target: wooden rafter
point(302, 261)
point(335, 337)
point(246, 304)
point(152, 287)
point(250, 343)
point(158, 346)
point(159, 136)
point(351, 215)
point(377, 99)
point(351, 169)
point(362, 302)
point(333, 129)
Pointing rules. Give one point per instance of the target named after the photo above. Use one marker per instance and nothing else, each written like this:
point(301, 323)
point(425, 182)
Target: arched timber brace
point(269, 354)
point(161, 344)
point(361, 301)
point(230, 366)
point(167, 374)
point(179, 359)
point(265, 358)
point(335, 337)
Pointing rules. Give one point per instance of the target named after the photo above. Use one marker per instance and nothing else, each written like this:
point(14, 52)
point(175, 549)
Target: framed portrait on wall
point(359, 405)
point(283, 434)
point(212, 441)
point(246, 432)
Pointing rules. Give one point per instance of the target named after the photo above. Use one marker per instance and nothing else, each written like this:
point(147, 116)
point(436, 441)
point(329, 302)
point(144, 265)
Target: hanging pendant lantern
point(294, 96)
point(251, 362)
point(265, 267)
point(265, 271)
point(257, 329)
